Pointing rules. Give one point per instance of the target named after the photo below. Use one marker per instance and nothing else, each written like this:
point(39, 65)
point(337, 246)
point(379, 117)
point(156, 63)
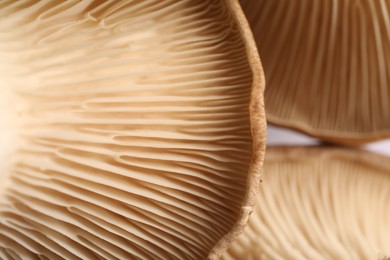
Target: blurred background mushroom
point(132, 129)
point(327, 69)
point(327, 66)
point(319, 203)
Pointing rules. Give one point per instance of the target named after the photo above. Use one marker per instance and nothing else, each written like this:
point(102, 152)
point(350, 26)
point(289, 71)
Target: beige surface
point(134, 134)
point(314, 203)
point(327, 66)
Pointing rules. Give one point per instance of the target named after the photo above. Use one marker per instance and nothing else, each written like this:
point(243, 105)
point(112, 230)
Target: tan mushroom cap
point(319, 203)
point(137, 128)
point(327, 66)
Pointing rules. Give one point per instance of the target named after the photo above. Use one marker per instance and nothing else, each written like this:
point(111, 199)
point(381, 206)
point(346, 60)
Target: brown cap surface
point(139, 129)
point(327, 66)
point(319, 203)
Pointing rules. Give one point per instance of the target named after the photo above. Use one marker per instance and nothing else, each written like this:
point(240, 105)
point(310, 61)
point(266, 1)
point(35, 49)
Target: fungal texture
point(319, 203)
point(327, 66)
point(130, 126)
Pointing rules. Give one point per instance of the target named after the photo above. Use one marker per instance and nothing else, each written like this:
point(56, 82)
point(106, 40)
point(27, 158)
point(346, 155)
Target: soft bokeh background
point(283, 136)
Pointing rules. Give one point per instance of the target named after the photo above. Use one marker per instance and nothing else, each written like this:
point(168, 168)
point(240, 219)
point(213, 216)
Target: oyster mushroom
point(138, 128)
point(327, 66)
point(319, 203)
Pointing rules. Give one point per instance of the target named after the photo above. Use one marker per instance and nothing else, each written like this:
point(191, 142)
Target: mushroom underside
point(326, 65)
point(131, 128)
point(319, 203)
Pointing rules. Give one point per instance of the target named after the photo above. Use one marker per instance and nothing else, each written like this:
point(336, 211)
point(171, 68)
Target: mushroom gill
point(327, 66)
point(139, 128)
point(319, 203)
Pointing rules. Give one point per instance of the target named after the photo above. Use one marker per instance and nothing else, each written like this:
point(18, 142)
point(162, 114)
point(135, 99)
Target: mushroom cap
point(319, 203)
point(140, 128)
point(327, 66)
